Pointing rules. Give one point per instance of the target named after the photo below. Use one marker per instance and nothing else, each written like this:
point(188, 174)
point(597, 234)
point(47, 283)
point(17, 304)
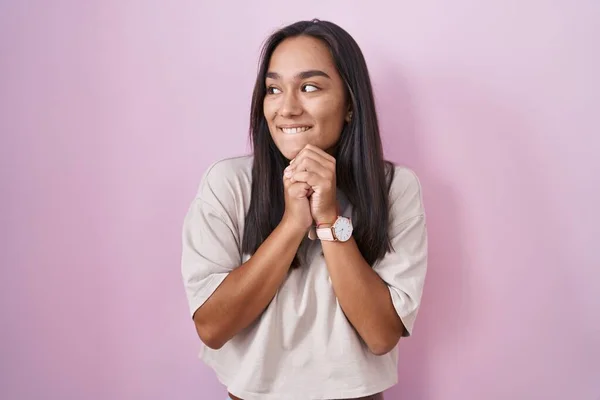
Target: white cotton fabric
point(302, 346)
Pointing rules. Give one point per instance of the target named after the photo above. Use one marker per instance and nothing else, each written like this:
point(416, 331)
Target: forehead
point(301, 53)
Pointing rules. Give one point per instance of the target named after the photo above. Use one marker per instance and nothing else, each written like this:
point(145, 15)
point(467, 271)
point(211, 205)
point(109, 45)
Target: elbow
point(384, 343)
point(210, 338)
point(209, 334)
point(381, 348)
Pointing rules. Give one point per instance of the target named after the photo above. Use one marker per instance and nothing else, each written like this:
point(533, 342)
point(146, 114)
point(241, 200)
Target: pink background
point(111, 110)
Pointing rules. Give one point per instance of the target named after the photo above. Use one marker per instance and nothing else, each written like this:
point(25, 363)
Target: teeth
point(295, 130)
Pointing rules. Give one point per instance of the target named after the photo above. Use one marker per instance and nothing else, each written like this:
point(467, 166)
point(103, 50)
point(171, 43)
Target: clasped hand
point(315, 169)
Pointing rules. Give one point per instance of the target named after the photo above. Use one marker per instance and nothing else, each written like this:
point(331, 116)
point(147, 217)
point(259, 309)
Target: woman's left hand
point(317, 168)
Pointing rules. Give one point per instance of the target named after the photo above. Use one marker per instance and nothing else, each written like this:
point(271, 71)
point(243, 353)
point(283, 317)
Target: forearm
point(363, 296)
point(247, 290)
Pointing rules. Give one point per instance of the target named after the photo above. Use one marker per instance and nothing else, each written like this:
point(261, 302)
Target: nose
point(290, 105)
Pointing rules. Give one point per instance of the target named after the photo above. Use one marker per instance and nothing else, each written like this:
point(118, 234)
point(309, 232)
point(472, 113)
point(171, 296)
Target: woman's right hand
point(297, 207)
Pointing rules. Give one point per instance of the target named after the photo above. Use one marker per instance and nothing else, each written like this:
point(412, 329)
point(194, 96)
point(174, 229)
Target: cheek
point(268, 110)
point(330, 113)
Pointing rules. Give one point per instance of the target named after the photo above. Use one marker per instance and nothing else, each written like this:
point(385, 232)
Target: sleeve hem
point(407, 315)
point(196, 301)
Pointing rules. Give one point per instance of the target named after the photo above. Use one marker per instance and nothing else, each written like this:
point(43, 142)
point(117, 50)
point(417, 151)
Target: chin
point(290, 151)
point(290, 154)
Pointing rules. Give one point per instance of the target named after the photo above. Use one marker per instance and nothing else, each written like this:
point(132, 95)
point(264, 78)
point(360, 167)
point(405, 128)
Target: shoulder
point(229, 168)
point(406, 195)
point(226, 176)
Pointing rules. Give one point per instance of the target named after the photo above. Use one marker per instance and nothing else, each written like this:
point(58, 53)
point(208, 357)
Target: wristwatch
point(339, 231)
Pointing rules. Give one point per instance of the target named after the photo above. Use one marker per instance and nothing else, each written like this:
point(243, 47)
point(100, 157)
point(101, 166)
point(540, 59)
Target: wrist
point(326, 219)
point(292, 227)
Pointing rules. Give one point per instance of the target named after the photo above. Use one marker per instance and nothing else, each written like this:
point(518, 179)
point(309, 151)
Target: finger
point(311, 165)
point(316, 154)
point(308, 153)
point(320, 152)
point(312, 179)
point(312, 161)
point(298, 190)
point(286, 182)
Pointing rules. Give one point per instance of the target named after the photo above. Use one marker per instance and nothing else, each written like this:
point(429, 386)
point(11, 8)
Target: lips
point(294, 130)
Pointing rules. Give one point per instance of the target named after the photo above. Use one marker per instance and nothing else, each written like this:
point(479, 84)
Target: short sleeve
point(404, 268)
point(210, 244)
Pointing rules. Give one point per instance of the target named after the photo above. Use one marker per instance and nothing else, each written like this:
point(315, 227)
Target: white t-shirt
point(302, 346)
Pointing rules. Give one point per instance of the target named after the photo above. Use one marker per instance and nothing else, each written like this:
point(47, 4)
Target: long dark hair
point(362, 173)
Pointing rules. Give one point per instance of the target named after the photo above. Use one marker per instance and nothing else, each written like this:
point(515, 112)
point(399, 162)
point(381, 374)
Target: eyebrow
point(301, 75)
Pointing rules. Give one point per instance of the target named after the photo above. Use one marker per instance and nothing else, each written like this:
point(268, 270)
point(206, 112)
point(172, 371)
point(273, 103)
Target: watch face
point(343, 229)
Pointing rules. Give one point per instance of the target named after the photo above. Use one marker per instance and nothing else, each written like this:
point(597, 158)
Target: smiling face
point(305, 101)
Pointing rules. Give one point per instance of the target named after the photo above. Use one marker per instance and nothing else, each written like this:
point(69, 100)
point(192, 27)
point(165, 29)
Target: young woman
point(304, 263)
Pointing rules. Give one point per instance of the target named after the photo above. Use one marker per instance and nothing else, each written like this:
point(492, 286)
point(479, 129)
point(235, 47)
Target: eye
point(309, 88)
point(273, 90)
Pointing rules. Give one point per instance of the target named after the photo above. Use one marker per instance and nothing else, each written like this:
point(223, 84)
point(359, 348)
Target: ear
point(349, 114)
